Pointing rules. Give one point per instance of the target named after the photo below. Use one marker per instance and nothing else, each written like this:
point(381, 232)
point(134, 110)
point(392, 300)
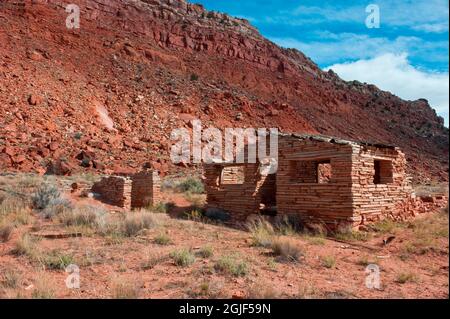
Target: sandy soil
point(116, 267)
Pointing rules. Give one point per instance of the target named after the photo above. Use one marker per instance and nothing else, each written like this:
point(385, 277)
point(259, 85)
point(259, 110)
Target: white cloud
point(333, 48)
point(431, 14)
point(432, 27)
point(394, 73)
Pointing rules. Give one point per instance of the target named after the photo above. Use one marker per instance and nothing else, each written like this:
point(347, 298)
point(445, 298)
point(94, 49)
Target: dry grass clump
point(183, 257)
point(346, 233)
point(206, 288)
point(55, 260)
point(231, 265)
point(328, 261)
point(44, 287)
point(10, 279)
point(261, 290)
point(428, 234)
point(206, 251)
point(388, 226)
point(262, 233)
point(404, 278)
point(151, 259)
point(85, 215)
point(25, 246)
point(122, 288)
point(56, 207)
point(162, 239)
point(14, 210)
point(286, 249)
point(6, 230)
point(137, 221)
point(307, 291)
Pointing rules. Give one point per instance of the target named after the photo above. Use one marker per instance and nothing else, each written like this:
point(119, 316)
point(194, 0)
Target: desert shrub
point(44, 195)
point(217, 214)
point(387, 226)
point(123, 289)
point(230, 265)
point(403, 278)
point(183, 257)
point(194, 215)
point(152, 259)
point(328, 261)
point(366, 261)
point(262, 291)
point(286, 249)
point(56, 260)
point(162, 239)
point(262, 233)
point(138, 221)
point(307, 291)
point(194, 77)
point(346, 233)
point(85, 215)
point(190, 185)
point(44, 287)
point(428, 234)
point(160, 208)
point(6, 230)
point(25, 246)
point(206, 251)
point(196, 200)
point(315, 240)
point(56, 207)
point(11, 278)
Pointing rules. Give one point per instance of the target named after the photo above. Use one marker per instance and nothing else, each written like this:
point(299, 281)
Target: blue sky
point(407, 55)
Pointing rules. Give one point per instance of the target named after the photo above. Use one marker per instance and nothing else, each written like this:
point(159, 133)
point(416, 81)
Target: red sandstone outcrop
point(135, 70)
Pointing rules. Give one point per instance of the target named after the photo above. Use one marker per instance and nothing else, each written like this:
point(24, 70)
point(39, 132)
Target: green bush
point(162, 239)
point(56, 207)
point(183, 257)
point(190, 185)
point(44, 195)
point(229, 264)
point(206, 251)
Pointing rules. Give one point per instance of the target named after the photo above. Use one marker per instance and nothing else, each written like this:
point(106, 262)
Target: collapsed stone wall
point(130, 192)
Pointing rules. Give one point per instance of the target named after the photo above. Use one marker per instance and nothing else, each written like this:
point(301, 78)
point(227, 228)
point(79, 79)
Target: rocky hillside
point(106, 96)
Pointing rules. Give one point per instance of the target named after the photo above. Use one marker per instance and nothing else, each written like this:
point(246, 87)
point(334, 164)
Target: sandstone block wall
point(240, 200)
point(312, 197)
point(115, 191)
point(145, 189)
point(137, 191)
point(322, 180)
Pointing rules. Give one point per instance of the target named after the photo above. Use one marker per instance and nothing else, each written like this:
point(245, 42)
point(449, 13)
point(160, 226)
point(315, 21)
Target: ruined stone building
point(319, 179)
point(130, 192)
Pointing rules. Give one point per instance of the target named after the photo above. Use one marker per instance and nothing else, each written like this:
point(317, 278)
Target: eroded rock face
point(152, 64)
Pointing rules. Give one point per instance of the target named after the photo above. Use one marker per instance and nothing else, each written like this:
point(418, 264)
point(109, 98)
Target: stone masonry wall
point(331, 182)
point(240, 200)
point(137, 191)
point(114, 190)
point(393, 197)
point(329, 202)
point(145, 190)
